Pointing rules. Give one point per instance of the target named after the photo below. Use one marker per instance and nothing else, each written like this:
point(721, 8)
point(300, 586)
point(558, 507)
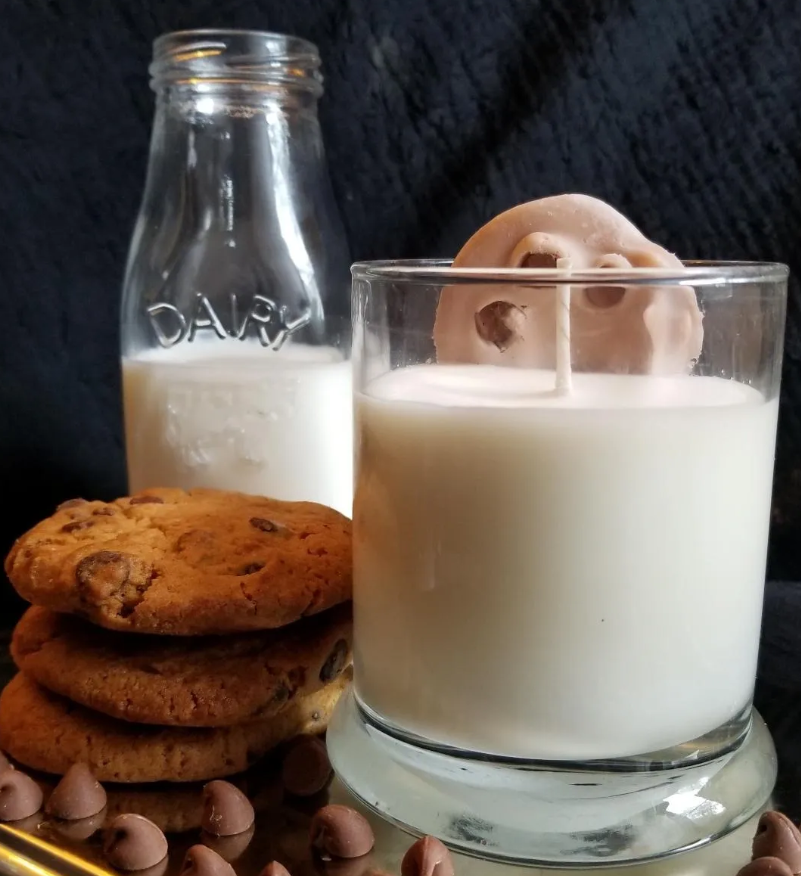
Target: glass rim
point(694, 273)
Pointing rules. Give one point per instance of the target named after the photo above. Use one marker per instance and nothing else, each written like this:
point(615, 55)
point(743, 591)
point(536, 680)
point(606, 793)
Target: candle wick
point(564, 373)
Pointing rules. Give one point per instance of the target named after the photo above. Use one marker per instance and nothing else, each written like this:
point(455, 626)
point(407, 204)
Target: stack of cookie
point(176, 636)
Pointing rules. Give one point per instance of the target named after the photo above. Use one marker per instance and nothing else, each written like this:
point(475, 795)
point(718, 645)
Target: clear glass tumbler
point(559, 567)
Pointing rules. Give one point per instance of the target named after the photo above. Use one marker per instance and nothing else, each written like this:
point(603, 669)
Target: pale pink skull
point(645, 330)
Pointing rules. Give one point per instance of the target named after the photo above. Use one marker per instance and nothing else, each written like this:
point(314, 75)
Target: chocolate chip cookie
point(46, 732)
point(175, 562)
point(210, 681)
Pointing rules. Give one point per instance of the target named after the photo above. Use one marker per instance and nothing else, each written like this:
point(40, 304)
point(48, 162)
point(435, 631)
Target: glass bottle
point(236, 303)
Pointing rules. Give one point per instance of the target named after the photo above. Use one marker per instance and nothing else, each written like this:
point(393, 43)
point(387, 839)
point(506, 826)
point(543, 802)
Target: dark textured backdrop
point(682, 113)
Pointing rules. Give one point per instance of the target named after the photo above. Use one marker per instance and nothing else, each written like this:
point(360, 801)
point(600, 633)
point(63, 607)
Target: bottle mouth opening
point(249, 58)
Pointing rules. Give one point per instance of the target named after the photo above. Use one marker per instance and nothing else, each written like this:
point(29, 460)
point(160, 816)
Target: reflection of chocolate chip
point(203, 861)
point(264, 525)
point(226, 810)
point(20, 796)
point(250, 569)
point(70, 503)
point(75, 525)
point(427, 857)
point(79, 830)
point(77, 795)
point(766, 867)
point(146, 500)
point(777, 837)
point(229, 848)
point(275, 869)
point(306, 769)
point(335, 663)
point(500, 323)
point(340, 832)
point(132, 842)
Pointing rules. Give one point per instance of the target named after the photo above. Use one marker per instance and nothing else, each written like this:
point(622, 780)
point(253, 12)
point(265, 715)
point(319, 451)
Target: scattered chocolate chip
point(226, 810)
point(250, 569)
point(229, 848)
point(340, 832)
point(275, 869)
point(306, 769)
point(203, 861)
point(78, 795)
point(766, 867)
point(75, 525)
point(146, 500)
point(132, 842)
point(105, 511)
point(427, 857)
point(79, 830)
point(20, 796)
point(264, 525)
point(335, 662)
point(777, 837)
point(70, 503)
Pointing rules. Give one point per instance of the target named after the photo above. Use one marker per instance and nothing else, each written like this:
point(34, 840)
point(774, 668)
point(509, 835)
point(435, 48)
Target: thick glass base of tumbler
point(565, 815)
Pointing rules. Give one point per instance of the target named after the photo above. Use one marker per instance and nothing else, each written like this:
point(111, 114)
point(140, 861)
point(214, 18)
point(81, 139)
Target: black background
point(437, 114)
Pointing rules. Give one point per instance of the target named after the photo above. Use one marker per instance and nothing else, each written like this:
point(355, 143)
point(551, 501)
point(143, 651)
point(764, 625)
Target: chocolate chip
point(250, 569)
point(117, 578)
point(777, 837)
point(20, 796)
point(132, 842)
point(78, 795)
point(500, 323)
point(226, 810)
point(229, 848)
point(105, 511)
point(111, 566)
point(146, 500)
point(427, 857)
point(306, 769)
point(264, 525)
point(335, 663)
point(275, 869)
point(340, 832)
point(70, 503)
point(75, 525)
point(203, 861)
point(766, 867)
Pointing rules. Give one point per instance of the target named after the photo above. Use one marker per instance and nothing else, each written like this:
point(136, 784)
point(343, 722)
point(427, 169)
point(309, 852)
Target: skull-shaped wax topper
point(646, 329)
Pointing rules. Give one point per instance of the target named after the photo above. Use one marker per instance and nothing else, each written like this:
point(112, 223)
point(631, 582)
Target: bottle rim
point(226, 57)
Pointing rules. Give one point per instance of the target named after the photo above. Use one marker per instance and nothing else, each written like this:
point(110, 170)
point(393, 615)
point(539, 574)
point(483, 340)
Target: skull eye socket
point(499, 323)
point(613, 260)
point(538, 260)
point(604, 297)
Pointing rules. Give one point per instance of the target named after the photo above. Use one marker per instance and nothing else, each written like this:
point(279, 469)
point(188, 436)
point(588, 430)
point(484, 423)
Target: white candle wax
point(559, 576)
